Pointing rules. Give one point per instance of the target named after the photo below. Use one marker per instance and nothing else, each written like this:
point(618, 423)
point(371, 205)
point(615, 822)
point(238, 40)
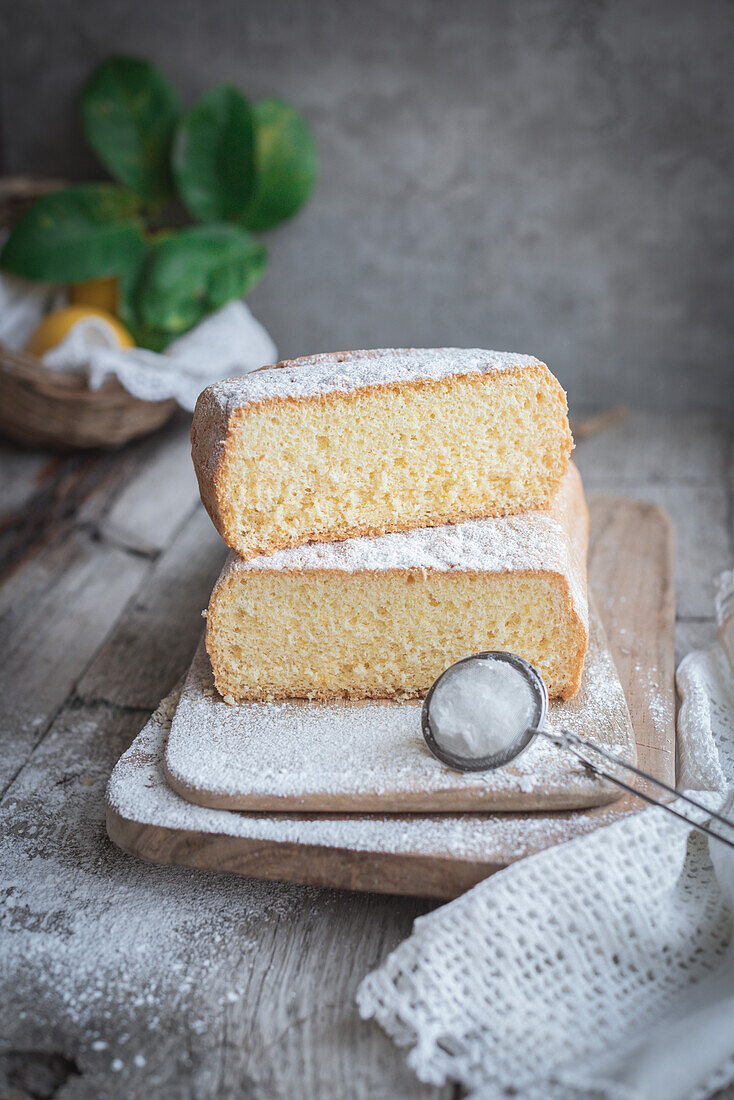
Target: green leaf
point(213, 156)
point(150, 338)
point(83, 232)
point(184, 277)
point(286, 165)
point(145, 336)
point(129, 113)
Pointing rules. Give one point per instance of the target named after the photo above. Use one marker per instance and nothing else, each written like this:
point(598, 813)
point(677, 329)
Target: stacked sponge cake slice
point(391, 512)
point(362, 443)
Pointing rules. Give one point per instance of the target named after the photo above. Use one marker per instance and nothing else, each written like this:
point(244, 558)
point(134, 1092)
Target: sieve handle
point(565, 739)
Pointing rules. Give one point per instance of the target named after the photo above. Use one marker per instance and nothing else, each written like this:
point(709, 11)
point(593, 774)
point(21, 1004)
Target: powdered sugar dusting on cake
point(345, 372)
point(532, 541)
point(504, 544)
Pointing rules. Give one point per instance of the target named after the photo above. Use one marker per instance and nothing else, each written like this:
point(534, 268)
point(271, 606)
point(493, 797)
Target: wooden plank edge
point(446, 801)
point(664, 764)
point(442, 877)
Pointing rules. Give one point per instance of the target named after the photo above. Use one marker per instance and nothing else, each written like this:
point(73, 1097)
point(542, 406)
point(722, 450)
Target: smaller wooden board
point(370, 756)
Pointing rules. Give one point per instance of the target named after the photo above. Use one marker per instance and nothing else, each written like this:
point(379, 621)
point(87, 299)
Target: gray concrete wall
point(553, 177)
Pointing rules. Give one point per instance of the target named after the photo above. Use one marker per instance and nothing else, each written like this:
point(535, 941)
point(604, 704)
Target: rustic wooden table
point(118, 978)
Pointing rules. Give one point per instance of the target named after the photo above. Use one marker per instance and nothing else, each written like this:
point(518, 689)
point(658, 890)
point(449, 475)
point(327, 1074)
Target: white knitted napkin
point(599, 968)
point(226, 344)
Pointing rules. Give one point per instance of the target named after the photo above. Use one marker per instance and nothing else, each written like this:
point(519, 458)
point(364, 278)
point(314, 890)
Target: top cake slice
point(359, 443)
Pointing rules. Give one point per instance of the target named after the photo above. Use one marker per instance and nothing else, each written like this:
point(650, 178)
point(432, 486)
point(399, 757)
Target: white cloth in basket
point(228, 343)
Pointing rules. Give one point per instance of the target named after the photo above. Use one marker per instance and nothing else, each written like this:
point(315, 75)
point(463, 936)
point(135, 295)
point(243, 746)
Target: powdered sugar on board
point(345, 372)
point(138, 793)
point(370, 755)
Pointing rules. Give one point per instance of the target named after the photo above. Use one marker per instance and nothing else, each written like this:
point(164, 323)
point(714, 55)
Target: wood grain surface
point(256, 996)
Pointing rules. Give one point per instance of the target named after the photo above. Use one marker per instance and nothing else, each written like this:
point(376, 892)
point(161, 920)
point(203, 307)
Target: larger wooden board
point(437, 855)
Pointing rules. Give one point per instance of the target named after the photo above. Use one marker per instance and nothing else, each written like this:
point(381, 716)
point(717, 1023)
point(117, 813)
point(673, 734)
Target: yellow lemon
point(56, 325)
point(100, 293)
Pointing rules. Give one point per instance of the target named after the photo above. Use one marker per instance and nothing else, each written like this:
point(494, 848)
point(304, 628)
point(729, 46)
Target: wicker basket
point(42, 407)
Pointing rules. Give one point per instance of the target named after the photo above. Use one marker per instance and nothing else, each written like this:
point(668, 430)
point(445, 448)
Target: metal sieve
point(564, 739)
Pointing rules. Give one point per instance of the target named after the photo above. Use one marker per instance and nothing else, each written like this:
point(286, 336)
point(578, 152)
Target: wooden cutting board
point(436, 855)
point(370, 755)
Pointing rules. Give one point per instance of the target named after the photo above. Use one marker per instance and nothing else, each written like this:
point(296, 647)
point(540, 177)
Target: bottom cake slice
point(383, 617)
